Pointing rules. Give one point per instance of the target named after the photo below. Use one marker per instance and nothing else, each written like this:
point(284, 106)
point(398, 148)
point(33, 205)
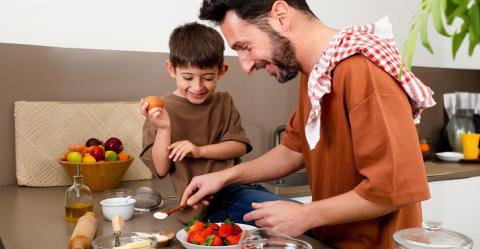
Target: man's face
point(260, 47)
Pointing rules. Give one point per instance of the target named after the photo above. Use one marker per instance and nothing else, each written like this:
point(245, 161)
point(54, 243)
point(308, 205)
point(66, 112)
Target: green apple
point(74, 157)
point(112, 156)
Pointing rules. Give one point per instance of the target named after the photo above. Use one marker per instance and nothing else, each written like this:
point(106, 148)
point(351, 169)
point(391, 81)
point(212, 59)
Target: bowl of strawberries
point(221, 235)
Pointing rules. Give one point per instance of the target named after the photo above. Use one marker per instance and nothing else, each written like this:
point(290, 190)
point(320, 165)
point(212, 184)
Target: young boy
point(199, 131)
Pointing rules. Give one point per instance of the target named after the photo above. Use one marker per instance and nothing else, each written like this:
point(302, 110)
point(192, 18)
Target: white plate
point(449, 156)
point(182, 237)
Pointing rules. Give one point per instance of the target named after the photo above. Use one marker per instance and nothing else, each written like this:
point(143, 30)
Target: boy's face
point(195, 84)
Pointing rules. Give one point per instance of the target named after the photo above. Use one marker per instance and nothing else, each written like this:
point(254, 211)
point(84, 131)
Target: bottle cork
point(84, 232)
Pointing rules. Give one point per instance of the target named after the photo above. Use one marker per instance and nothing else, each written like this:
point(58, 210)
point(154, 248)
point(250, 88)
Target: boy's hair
point(248, 10)
point(196, 45)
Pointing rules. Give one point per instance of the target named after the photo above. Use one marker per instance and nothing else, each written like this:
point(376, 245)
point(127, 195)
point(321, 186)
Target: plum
point(114, 144)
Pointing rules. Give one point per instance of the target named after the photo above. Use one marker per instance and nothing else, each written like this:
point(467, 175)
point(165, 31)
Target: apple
point(112, 156)
point(114, 144)
point(74, 157)
point(93, 142)
point(97, 153)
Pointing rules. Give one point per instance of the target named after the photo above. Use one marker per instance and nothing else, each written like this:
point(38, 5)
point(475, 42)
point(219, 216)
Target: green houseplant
point(461, 16)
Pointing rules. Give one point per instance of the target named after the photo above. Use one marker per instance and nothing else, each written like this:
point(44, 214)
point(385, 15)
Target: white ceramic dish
point(121, 206)
point(449, 156)
point(182, 237)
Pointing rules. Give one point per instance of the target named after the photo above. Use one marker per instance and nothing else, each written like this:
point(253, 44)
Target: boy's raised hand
point(158, 116)
point(181, 149)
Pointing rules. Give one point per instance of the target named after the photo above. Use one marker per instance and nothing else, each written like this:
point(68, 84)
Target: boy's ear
point(222, 70)
point(281, 16)
point(170, 68)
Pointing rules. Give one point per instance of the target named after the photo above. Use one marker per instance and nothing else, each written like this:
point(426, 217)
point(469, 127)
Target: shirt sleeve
point(291, 137)
point(234, 129)
point(385, 140)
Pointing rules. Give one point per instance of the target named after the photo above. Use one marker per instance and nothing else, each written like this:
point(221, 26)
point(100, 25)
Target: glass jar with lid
point(78, 198)
point(431, 235)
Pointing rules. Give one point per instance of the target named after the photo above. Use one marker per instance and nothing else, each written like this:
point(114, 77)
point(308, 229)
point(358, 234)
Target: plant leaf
point(475, 20)
point(422, 23)
point(409, 48)
point(473, 41)
point(437, 16)
point(449, 11)
point(457, 40)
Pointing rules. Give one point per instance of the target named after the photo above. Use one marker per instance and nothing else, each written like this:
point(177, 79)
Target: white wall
point(145, 25)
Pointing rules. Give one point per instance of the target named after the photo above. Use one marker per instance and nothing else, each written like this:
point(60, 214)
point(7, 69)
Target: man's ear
point(222, 70)
point(281, 16)
point(170, 68)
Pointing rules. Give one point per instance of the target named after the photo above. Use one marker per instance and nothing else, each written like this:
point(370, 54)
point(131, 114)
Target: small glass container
point(426, 148)
point(78, 199)
point(265, 238)
point(431, 235)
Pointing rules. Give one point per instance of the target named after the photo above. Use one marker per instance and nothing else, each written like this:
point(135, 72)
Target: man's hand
point(282, 216)
point(181, 149)
point(202, 187)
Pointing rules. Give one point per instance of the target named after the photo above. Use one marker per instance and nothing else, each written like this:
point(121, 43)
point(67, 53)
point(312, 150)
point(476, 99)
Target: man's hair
point(196, 45)
point(248, 10)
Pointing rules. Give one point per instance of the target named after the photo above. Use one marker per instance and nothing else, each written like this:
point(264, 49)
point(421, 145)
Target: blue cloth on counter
point(235, 200)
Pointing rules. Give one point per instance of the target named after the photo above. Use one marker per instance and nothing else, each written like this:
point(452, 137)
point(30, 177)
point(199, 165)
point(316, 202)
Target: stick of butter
point(135, 245)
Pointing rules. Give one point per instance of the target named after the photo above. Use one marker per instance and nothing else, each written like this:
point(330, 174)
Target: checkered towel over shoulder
point(376, 42)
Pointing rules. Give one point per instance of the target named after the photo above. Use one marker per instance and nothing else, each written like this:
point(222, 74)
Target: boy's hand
point(181, 149)
point(158, 116)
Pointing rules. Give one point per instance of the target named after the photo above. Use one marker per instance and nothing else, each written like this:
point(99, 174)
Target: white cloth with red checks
point(376, 42)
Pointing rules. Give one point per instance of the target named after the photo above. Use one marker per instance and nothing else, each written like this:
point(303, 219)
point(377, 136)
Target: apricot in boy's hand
point(153, 102)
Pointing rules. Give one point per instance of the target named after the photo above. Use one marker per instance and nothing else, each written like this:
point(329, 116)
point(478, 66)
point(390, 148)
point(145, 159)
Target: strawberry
point(213, 240)
point(208, 231)
point(191, 236)
point(197, 226)
point(213, 225)
point(199, 239)
point(236, 229)
point(225, 230)
point(233, 239)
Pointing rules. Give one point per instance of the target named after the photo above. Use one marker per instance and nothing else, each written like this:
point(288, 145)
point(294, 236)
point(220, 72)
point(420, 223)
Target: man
point(353, 127)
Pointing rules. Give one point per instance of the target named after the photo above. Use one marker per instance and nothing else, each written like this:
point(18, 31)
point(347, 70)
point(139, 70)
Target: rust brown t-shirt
point(214, 121)
point(369, 144)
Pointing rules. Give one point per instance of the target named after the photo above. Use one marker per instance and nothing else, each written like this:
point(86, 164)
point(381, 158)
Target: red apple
point(114, 144)
point(97, 152)
point(92, 142)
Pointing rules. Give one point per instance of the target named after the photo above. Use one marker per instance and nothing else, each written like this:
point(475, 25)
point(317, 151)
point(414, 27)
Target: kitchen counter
point(436, 171)
point(34, 218)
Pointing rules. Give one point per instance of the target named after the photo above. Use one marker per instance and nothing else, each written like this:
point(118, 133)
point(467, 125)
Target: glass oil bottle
point(78, 198)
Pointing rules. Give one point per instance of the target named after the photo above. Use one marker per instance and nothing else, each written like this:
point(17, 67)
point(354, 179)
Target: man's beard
point(283, 54)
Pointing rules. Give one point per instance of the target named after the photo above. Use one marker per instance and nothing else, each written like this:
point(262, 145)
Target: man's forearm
point(278, 162)
point(345, 208)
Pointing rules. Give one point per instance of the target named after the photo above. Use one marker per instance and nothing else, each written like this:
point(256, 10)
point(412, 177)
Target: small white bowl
point(449, 156)
point(120, 206)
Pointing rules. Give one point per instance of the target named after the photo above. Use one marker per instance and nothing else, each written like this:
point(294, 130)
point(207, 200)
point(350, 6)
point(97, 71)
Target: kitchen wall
point(63, 74)
point(443, 80)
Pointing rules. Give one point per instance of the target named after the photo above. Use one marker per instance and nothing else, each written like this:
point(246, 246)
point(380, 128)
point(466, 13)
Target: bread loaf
point(84, 232)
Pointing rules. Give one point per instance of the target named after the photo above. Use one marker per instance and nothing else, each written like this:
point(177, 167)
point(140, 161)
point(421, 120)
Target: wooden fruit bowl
point(99, 176)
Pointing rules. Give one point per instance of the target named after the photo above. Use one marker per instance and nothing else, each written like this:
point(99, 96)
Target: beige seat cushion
point(44, 130)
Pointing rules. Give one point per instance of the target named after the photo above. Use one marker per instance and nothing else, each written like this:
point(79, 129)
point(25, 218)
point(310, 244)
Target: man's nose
point(246, 63)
